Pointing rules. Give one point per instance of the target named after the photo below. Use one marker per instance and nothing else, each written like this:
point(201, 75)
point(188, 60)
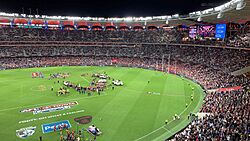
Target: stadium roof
point(238, 16)
point(107, 8)
point(228, 11)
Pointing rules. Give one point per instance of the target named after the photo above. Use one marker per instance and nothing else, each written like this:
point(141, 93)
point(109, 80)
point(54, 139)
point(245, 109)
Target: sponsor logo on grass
point(50, 127)
point(83, 119)
point(51, 116)
point(25, 132)
point(50, 108)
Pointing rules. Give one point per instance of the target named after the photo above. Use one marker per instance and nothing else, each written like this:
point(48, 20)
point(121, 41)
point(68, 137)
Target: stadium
point(176, 77)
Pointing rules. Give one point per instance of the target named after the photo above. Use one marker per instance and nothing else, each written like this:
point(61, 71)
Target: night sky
point(107, 8)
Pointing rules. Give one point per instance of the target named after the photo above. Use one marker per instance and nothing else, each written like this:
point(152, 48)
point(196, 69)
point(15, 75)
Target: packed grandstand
point(209, 61)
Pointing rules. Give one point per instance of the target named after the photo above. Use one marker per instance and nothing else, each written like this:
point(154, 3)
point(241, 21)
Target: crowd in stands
point(149, 36)
point(227, 118)
point(241, 40)
point(29, 34)
point(199, 63)
point(211, 67)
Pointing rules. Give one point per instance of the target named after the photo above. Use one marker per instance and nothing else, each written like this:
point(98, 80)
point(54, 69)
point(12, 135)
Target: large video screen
point(220, 31)
point(206, 31)
point(202, 31)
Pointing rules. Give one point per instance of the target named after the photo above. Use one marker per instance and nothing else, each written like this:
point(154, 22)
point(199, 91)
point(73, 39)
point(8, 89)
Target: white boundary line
point(167, 130)
point(163, 125)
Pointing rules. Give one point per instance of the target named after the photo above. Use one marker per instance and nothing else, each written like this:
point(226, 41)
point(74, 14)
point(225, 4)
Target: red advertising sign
point(114, 60)
point(235, 88)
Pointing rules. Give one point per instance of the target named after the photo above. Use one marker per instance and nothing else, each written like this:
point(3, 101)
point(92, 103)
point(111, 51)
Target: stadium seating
point(133, 36)
point(209, 66)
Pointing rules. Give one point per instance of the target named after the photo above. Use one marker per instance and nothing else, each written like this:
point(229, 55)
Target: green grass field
point(127, 113)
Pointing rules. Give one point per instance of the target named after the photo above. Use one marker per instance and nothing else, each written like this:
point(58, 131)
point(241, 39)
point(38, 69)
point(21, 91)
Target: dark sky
point(108, 8)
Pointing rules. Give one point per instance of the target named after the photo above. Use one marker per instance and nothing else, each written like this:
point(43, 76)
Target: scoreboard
point(220, 31)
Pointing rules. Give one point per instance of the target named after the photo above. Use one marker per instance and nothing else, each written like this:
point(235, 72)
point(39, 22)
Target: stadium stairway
point(241, 71)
